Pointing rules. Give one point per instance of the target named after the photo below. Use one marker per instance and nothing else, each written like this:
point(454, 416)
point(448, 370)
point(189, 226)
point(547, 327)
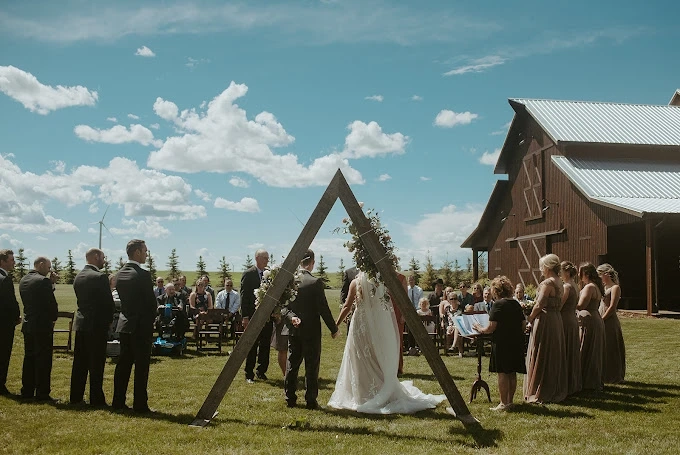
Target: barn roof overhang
point(479, 237)
point(636, 187)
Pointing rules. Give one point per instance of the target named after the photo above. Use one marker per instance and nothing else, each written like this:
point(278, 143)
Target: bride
point(367, 381)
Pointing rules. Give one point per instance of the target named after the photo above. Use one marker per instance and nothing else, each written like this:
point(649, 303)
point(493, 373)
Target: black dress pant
point(6, 343)
point(89, 356)
point(37, 369)
point(260, 351)
point(135, 349)
point(309, 350)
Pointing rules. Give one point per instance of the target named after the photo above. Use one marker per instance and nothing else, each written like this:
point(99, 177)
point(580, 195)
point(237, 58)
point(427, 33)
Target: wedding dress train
point(367, 381)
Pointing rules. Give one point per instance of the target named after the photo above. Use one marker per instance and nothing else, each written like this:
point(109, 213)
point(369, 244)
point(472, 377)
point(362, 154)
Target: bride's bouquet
point(289, 293)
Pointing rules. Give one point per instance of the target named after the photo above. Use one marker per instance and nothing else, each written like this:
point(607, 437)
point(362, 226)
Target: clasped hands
point(296, 321)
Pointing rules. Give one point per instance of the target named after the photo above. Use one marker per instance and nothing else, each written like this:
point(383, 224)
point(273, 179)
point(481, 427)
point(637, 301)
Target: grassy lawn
point(639, 416)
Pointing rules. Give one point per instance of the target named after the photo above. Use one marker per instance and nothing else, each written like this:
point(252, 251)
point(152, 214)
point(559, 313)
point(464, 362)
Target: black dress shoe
point(120, 407)
point(312, 405)
point(46, 399)
point(262, 376)
point(291, 404)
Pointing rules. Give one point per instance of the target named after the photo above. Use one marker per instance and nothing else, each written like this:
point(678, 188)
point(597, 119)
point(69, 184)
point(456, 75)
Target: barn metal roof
point(635, 187)
point(611, 123)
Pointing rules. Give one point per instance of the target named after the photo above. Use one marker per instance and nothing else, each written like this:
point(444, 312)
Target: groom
point(302, 321)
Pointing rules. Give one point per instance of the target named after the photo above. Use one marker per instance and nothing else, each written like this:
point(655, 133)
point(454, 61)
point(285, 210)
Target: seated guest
point(159, 289)
point(477, 293)
point(183, 297)
point(424, 310)
point(485, 304)
point(453, 339)
point(520, 294)
point(208, 288)
point(170, 296)
point(183, 286)
point(199, 300)
point(230, 300)
point(175, 318)
point(438, 294)
point(465, 298)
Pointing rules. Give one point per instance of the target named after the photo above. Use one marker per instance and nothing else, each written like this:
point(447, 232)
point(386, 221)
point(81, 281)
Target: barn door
point(531, 250)
point(533, 187)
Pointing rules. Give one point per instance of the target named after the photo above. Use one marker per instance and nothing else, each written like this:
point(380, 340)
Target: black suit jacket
point(9, 305)
point(138, 302)
point(95, 302)
point(347, 278)
point(309, 305)
point(40, 306)
point(250, 280)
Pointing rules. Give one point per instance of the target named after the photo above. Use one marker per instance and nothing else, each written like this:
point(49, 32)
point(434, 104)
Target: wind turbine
point(101, 224)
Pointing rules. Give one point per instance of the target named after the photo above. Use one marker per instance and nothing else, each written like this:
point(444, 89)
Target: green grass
point(335, 280)
point(639, 416)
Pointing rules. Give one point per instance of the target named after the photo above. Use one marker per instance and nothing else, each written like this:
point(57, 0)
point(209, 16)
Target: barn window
point(533, 185)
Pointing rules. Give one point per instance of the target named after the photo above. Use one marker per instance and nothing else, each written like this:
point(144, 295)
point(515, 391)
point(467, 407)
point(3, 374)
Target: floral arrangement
point(527, 306)
point(356, 246)
point(289, 293)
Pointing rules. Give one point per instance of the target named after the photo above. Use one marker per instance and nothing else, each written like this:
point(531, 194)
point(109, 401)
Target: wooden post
point(337, 188)
point(475, 264)
point(648, 259)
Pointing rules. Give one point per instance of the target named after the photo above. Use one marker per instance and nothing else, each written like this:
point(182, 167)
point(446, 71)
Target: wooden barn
point(589, 181)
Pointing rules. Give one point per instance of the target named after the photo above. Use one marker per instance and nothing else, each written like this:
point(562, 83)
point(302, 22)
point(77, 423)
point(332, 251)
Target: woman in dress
point(615, 350)
point(545, 380)
point(506, 324)
point(592, 327)
point(200, 301)
point(367, 381)
point(477, 293)
point(572, 342)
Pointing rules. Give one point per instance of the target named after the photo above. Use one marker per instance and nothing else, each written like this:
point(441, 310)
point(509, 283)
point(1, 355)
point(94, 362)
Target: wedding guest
point(200, 301)
point(572, 342)
point(415, 293)
point(250, 281)
point(424, 310)
point(465, 298)
point(520, 295)
point(92, 322)
point(506, 324)
point(592, 328)
point(437, 295)
point(230, 300)
point(452, 337)
point(615, 350)
point(113, 328)
point(477, 293)
point(40, 312)
point(181, 321)
point(11, 316)
point(208, 288)
point(136, 328)
point(545, 380)
point(186, 291)
point(485, 303)
point(159, 289)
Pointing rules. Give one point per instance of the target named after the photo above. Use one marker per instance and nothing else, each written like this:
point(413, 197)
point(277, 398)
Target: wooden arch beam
point(338, 188)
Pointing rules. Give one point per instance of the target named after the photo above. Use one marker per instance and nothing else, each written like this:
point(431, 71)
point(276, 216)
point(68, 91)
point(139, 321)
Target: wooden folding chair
point(210, 328)
point(58, 328)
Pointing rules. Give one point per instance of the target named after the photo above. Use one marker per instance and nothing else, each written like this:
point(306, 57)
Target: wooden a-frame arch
point(338, 188)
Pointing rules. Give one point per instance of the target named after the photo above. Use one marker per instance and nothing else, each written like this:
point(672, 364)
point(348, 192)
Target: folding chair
point(58, 328)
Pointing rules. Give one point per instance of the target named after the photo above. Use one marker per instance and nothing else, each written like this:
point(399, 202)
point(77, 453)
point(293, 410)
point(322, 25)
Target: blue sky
point(213, 128)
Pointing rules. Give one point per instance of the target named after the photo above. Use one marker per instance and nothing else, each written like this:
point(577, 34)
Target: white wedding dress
point(367, 381)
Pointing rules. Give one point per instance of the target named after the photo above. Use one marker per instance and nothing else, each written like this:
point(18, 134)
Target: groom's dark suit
point(305, 340)
point(9, 318)
point(260, 351)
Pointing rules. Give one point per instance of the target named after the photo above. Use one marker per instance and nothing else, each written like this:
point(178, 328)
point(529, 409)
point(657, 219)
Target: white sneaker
point(500, 407)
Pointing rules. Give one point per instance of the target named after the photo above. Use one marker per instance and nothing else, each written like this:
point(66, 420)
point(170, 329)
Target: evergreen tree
point(272, 260)
point(56, 266)
point(70, 269)
point(173, 265)
point(429, 275)
point(120, 263)
point(413, 267)
point(225, 270)
point(248, 264)
point(151, 266)
point(457, 273)
point(483, 272)
point(341, 269)
point(106, 268)
point(321, 272)
point(468, 266)
point(200, 267)
point(447, 273)
point(20, 266)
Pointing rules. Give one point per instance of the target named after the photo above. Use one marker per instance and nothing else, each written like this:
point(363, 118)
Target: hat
point(438, 281)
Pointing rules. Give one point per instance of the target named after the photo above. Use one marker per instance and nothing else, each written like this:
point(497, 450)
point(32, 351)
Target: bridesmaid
point(572, 341)
point(592, 328)
point(545, 380)
point(615, 350)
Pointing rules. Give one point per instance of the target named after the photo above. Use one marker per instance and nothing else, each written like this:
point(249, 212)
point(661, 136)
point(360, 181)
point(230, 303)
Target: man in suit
point(11, 316)
point(250, 280)
point(415, 293)
point(302, 318)
point(40, 312)
point(230, 300)
point(138, 312)
point(93, 318)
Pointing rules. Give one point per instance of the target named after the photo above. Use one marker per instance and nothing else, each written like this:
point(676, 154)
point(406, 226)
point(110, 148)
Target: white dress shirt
point(234, 300)
point(415, 293)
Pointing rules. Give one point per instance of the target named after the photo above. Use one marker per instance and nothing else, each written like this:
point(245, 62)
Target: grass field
point(639, 416)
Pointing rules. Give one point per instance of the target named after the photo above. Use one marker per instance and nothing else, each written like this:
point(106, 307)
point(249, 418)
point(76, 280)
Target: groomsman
point(40, 312)
point(302, 318)
point(138, 312)
point(250, 280)
point(10, 316)
point(93, 318)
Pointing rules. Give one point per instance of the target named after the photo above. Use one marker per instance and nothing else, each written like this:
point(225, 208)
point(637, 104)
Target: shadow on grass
point(627, 396)
point(482, 437)
point(542, 410)
point(426, 377)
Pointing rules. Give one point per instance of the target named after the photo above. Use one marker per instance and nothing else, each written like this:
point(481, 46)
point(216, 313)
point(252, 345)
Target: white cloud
point(368, 140)
point(478, 65)
point(112, 119)
point(490, 158)
point(155, 126)
point(145, 52)
point(92, 230)
point(94, 208)
point(207, 197)
point(117, 135)
point(378, 98)
point(59, 166)
point(503, 130)
point(425, 179)
point(222, 139)
point(194, 62)
point(238, 182)
point(133, 116)
point(142, 228)
point(37, 97)
point(416, 98)
point(6, 241)
point(384, 177)
point(449, 119)
point(246, 204)
point(41, 238)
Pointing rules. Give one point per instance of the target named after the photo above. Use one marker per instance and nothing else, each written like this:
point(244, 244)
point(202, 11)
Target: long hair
point(588, 270)
point(607, 269)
